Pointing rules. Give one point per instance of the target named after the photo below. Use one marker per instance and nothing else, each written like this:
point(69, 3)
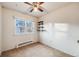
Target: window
point(24, 26)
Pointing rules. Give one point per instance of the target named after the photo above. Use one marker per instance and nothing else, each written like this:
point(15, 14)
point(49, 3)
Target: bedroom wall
point(62, 29)
point(10, 39)
point(0, 27)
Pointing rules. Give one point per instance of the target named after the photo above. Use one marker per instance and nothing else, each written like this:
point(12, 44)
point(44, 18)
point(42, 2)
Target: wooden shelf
point(41, 30)
point(41, 27)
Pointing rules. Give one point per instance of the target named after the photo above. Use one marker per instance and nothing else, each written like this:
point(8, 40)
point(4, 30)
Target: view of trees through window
point(24, 26)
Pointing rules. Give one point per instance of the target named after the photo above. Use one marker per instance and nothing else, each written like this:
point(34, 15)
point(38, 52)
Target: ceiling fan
point(35, 6)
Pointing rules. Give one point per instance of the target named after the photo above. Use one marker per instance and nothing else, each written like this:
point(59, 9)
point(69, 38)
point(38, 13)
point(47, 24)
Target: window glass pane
point(24, 26)
point(20, 26)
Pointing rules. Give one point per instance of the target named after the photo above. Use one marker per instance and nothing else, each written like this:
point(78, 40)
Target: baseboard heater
point(24, 43)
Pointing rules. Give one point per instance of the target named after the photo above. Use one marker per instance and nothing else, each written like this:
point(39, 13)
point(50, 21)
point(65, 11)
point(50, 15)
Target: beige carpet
point(35, 50)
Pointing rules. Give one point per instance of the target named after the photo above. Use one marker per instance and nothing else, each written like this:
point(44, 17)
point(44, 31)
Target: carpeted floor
point(35, 50)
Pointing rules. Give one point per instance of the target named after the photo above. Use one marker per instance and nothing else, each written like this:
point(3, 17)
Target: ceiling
point(22, 7)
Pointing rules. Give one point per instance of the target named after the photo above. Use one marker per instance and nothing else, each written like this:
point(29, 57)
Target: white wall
point(62, 29)
point(0, 28)
point(10, 40)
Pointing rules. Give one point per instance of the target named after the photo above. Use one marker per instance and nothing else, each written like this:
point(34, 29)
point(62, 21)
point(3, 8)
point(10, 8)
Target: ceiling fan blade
point(40, 3)
point(40, 9)
point(28, 3)
point(31, 10)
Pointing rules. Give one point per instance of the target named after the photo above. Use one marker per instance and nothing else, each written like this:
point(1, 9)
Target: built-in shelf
point(41, 30)
point(41, 26)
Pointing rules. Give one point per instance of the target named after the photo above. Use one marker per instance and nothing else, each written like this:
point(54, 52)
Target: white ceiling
point(22, 7)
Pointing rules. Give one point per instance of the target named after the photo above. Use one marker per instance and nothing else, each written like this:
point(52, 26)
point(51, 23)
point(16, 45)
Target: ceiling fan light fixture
point(36, 6)
point(35, 9)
